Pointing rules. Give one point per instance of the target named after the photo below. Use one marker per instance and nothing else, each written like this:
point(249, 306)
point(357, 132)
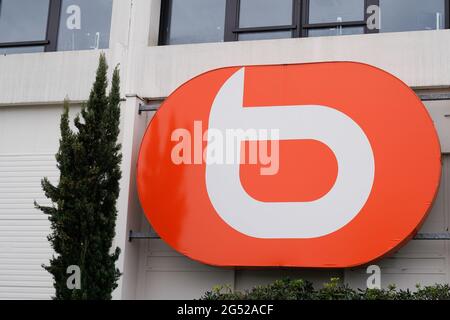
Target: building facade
point(49, 50)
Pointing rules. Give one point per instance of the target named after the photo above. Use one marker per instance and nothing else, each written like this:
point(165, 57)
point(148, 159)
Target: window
point(17, 24)
point(265, 14)
point(50, 25)
point(199, 21)
point(411, 15)
point(334, 17)
point(194, 21)
point(84, 24)
point(321, 11)
point(23, 22)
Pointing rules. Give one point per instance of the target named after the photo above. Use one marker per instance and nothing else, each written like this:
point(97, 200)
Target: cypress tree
point(83, 211)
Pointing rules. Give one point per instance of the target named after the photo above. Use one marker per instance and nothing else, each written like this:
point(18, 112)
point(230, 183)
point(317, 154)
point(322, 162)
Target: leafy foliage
point(83, 212)
point(287, 289)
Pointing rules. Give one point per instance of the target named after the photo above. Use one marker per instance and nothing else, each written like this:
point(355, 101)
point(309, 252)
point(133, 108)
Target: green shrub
point(436, 292)
point(288, 289)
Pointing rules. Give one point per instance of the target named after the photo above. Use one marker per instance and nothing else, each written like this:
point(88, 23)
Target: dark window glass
point(263, 13)
point(323, 11)
point(84, 24)
point(411, 15)
point(335, 31)
point(196, 21)
point(23, 20)
point(265, 35)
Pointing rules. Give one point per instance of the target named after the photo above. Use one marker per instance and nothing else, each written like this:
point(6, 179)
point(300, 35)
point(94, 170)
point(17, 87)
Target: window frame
point(51, 37)
point(299, 27)
point(164, 21)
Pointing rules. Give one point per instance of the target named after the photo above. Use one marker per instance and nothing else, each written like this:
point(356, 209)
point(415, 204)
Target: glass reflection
point(200, 21)
point(411, 15)
point(85, 24)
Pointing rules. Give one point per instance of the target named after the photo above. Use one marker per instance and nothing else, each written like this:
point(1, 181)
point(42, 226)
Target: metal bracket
point(434, 96)
point(150, 106)
point(420, 236)
point(433, 236)
point(153, 104)
point(142, 235)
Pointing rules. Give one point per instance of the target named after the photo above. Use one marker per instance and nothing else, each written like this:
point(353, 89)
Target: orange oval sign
point(305, 165)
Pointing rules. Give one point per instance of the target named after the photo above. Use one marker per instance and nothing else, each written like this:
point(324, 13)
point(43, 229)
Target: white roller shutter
point(28, 141)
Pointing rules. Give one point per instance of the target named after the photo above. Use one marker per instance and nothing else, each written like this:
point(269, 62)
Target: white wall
point(421, 59)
